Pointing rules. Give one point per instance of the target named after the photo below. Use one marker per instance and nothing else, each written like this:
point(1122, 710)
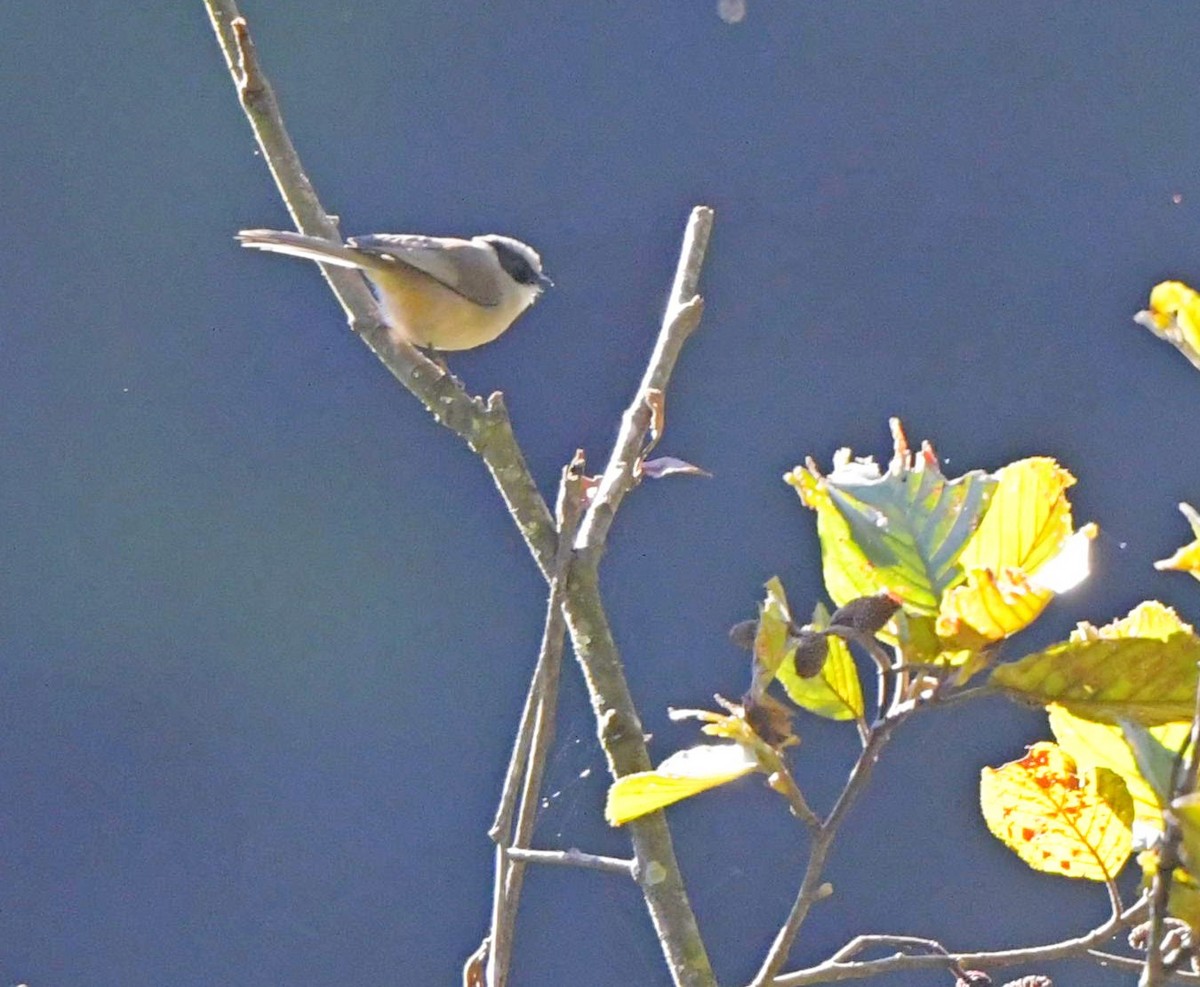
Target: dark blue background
point(265, 628)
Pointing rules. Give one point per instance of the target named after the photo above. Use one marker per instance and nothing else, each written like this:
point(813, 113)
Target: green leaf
point(899, 531)
point(1155, 761)
point(1187, 813)
point(1147, 680)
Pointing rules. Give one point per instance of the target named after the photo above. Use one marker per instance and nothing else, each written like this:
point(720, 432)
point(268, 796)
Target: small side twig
point(1133, 963)
point(574, 858)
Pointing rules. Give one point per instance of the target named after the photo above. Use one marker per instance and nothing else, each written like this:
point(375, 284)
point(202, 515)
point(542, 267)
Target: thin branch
point(682, 316)
point(534, 737)
point(620, 728)
point(1132, 963)
point(812, 889)
point(574, 858)
point(835, 971)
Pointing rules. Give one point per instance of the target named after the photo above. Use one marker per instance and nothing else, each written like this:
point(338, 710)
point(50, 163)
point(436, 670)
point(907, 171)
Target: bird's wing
point(463, 266)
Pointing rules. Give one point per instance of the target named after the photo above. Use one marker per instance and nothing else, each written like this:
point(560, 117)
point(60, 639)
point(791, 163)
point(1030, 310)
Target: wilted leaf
point(680, 776)
point(656, 469)
point(1141, 679)
point(743, 633)
point(770, 719)
point(1057, 818)
point(773, 640)
point(905, 528)
point(1174, 315)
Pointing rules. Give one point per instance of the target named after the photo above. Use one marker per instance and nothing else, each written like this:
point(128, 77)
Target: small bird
point(441, 293)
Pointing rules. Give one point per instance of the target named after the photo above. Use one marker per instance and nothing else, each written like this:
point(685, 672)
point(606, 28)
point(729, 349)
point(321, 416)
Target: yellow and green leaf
point(836, 692)
point(1147, 680)
point(899, 531)
point(1102, 745)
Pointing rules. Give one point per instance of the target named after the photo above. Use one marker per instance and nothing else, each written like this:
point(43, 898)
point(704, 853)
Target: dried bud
point(1139, 937)
point(867, 614)
point(811, 651)
point(973, 978)
point(769, 718)
point(743, 634)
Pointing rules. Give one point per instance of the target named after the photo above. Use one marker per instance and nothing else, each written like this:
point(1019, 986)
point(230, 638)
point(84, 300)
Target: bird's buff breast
point(427, 313)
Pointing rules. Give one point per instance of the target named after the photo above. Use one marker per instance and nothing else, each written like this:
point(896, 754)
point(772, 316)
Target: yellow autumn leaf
point(1187, 558)
point(1150, 618)
point(1027, 521)
point(1023, 552)
point(773, 641)
point(1174, 315)
point(680, 776)
point(1057, 818)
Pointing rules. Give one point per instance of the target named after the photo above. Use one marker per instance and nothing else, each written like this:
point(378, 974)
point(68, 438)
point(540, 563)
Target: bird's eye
point(515, 263)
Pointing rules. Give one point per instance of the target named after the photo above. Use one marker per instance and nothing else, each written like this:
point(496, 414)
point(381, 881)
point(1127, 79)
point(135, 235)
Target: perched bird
point(437, 292)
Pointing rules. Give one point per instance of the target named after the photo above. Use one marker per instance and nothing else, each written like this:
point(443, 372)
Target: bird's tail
point(309, 247)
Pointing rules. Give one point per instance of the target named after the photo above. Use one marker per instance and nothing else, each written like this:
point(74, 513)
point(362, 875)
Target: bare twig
point(574, 858)
point(1133, 963)
point(684, 309)
point(811, 887)
point(534, 736)
point(836, 970)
